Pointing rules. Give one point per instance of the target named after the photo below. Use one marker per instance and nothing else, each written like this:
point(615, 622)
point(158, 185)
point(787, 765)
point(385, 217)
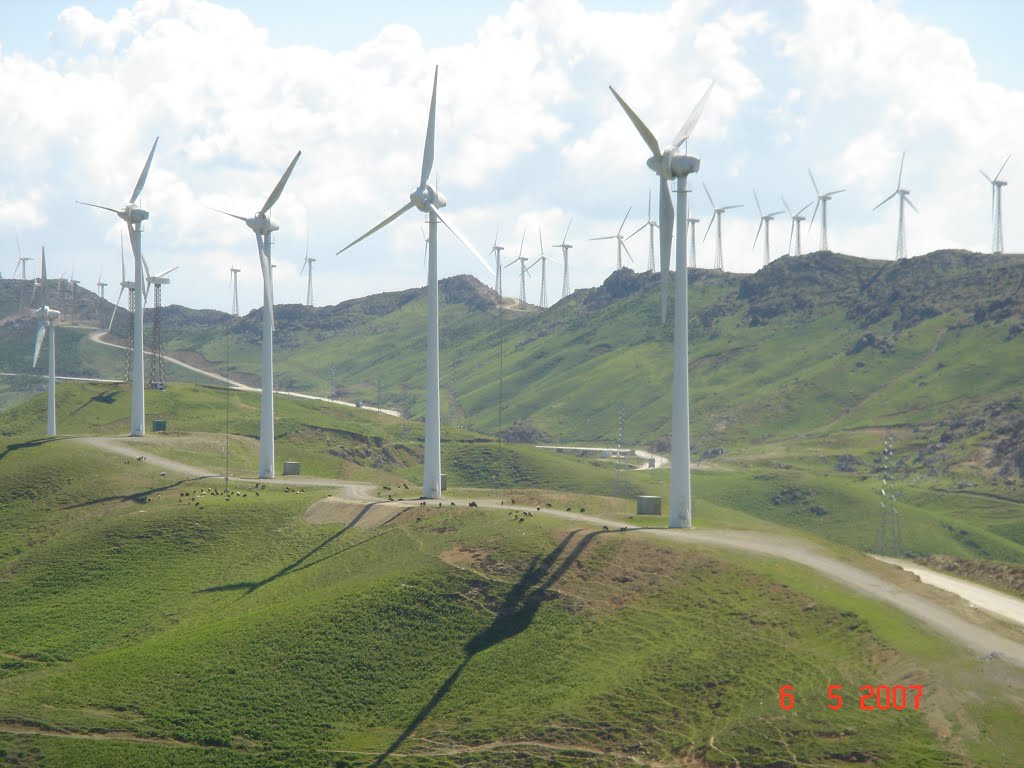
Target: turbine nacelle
point(262, 224)
point(47, 315)
point(425, 196)
point(133, 214)
point(672, 164)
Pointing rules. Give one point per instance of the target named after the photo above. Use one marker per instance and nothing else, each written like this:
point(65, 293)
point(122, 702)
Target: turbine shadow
point(106, 398)
point(515, 615)
point(139, 497)
point(30, 444)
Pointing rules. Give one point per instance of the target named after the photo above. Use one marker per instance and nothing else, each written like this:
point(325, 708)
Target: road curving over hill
point(980, 640)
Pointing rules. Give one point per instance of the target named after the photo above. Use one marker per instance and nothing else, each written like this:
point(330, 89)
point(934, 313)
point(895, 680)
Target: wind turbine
point(125, 284)
point(669, 163)
point(565, 260)
point(716, 218)
point(234, 290)
point(823, 198)
point(263, 226)
point(795, 225)
point(997, 208)
point(621, 242)
point(309, 285)
point(693, 242)
point(157, 372)
point(100, 285)
point(766, 220)
point(650, 224)
point(133, 216)
point(523, 269)
point(47, 317)
point(543, 271)
point(426, 199)
point(496, 250)
point(901, 234)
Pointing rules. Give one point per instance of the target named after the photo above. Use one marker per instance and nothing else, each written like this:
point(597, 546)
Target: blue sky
point(528, 134)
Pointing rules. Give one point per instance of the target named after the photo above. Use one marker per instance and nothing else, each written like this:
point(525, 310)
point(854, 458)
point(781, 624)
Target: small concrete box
point(291, 468)
point(159, 425)
point(444, 482)
point(648, 505)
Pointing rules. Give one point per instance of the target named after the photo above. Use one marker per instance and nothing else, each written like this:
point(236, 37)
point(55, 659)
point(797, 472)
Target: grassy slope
point(237, 634)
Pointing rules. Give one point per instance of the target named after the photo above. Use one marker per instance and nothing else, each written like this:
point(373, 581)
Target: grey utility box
point(291, 468)
point(444, 482)
point(159, 425)
point(648, 505)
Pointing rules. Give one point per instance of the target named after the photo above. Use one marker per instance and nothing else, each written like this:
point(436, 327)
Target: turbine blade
point(40, 333)
point(911, 204)
point(899, 179)
point(691, 121)
point(232, 215)
point(428, 144)
point(122, 258)
point(708, 193)
point(280, 185)
point(759, 211)
point(811, 222)
point(628, 210)
point(103, 207)
point(540, 239)
point(521, 243)
point(268, 294)
point(534, 263)
point(665, 214)
point(711, 222)
point(166, 272)
point(606, 237)
point(792, 227)
point(730, 207)
point(630, 255)
point(803, 209)
point(383, 224)
point(461, 238)
point(757, 234)
point(566, 235)
point(835, 192)
point(1002, 166)
point(890, 197)
point(116, 305)
point(788, 209)
point(637, 230)
point(813, 182)
point(989, 180)
point(145, 172)
point(645, 132)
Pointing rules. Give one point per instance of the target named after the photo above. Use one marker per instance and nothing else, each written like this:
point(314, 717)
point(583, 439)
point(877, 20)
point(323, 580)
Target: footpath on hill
point(959, 627)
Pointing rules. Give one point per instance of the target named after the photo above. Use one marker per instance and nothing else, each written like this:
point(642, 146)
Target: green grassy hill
point(144, 627)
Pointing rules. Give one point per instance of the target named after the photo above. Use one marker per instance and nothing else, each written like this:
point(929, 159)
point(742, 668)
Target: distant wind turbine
point(543, 271)
point(564, 245)
point(523, 269)
point(496, 250)
point(716, 219)
point(308, 264)
point(693, 242)
point(263, 226)
point(823, 198)
point(901, 234)
point(766, 220)
point(234, 291)
point(997, 207)
point(47, 317)
point(426, 199)
point(621, 242)
point(794, 227)
point(650, 225)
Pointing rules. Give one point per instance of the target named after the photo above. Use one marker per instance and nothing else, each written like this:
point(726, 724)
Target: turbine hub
point(133, 214)
point(262, 224)
point(426, 196)
point(673, 165)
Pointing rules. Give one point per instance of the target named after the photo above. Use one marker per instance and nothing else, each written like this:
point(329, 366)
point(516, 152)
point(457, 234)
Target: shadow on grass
point(515, 615)
point(299, 565)
point(106, 398)
point(30, 444)
point(141, 497)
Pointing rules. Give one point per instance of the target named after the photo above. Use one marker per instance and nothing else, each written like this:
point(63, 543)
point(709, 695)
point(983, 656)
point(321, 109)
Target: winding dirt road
point(953, 625)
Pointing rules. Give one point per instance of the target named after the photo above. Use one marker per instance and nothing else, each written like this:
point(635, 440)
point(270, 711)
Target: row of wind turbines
point(668, 163)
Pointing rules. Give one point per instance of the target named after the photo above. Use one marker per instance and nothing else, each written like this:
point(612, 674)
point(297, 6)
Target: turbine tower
point(523, 269)
point(426, 199)
point(795, 226)
point(133, 215)
point(308, 263)
point(22, 260)
point(693, 242)
point(543, 271)
point(766, 220)
point(496, 250)
point(157, 371)
point(100, 285)
point(47, 317)
point(716, 219)
point(621, 241)
point(263, 226)
point(129, 285)
point(997, 208)
point(670, 163)
point(901, 234)
point(651, 225)
point(565, 260)
point(234, 291)
point(823, 199)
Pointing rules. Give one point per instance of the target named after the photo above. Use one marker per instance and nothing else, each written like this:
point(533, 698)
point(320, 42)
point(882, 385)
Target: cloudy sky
point(528, 135)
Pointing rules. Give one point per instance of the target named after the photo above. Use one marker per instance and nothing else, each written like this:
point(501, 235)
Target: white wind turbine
point(766, 220)
point(426, 199)
point(564, 245)
point(100, 285)
point(669, 163)
point(22, 260)
point(496, 250)
point(523, 269)
point(716, 218)
point(262, 226)
point(794, 227)
point(125, 284)
point(693, 242)
point(997, 207)
point(234, 290)
point(47, 317)
point(157, 372)
point(901, 234)
point(133, 216)
point(308, 263)
point(621, 242)
point(543, 271)
point(651, 225)
point(823, 198)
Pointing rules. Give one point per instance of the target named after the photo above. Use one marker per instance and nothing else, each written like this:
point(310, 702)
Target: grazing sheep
point(452, 503)
point(521, 519)
point(623, 528)
point(604, 527)
point(583, 509)
point(472, 503)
